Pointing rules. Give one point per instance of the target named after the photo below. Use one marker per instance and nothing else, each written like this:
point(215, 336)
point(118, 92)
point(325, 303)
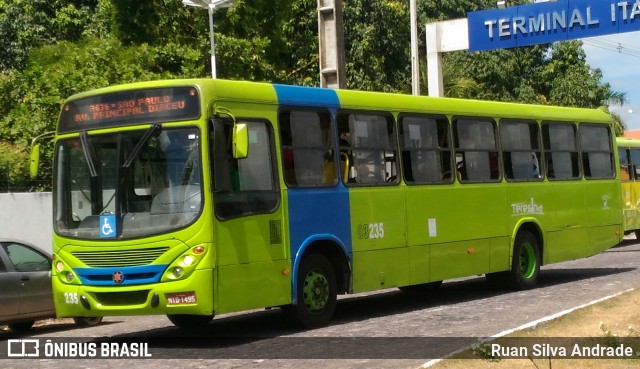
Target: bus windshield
point(144, 182)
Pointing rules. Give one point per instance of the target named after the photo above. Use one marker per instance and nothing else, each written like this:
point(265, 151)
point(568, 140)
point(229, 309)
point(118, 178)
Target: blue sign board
point(108, 226)
point(547, 22)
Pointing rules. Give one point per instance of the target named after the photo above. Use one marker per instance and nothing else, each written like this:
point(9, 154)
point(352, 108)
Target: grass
point(610, 323)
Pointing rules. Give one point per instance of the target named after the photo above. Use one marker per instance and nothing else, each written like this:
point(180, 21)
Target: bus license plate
point(181, 298)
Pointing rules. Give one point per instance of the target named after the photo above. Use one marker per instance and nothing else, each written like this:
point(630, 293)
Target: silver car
point(25, 286)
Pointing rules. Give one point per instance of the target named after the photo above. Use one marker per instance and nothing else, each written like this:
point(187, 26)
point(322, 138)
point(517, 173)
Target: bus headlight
point(188, 260)
point(69, 276)
point(177, 272)
point(59, 266)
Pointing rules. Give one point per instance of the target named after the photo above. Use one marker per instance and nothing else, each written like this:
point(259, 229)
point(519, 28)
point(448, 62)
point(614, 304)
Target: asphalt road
point(388, 329)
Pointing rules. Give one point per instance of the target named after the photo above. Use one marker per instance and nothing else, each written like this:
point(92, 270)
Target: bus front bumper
point(193, 295)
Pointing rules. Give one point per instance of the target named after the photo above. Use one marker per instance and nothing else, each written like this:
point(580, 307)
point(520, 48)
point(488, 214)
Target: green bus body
point(629, 154)
point(427, 189)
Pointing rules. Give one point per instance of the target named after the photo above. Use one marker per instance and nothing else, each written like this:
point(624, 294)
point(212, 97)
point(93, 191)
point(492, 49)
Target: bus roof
point(627, 142)
point(260, 92)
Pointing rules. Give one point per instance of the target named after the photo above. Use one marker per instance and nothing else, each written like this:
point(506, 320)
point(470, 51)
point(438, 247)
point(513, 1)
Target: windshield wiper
point(86, 150)
point(141, 143)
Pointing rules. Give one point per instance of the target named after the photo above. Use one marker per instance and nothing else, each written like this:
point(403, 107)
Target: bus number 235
point(371, 230)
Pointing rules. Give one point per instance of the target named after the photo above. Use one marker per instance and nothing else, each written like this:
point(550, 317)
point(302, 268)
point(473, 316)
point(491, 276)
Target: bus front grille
point(119, 258)
point(122, 298)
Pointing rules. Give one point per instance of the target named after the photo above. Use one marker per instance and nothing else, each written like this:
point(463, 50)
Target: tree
point(28, 24)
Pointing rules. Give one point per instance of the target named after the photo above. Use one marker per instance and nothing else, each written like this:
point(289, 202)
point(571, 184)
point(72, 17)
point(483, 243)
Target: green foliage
point(13, 164)
point(28, 24)
point(378, 55)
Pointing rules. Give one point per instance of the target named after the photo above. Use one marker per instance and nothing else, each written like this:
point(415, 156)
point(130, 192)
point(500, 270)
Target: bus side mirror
point(240, 141)
point(34, 160)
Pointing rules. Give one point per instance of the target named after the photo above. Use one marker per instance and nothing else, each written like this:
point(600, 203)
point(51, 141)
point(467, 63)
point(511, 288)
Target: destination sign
point(539, 23)
point(130, 107)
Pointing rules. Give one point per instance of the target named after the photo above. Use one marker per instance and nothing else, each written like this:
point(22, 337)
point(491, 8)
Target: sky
point(618, 56)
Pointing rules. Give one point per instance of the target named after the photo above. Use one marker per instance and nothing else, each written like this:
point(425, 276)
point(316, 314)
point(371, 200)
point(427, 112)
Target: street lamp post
point(415, 66)
point(212, 6)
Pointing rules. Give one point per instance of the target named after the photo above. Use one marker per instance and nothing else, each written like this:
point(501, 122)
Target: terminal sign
point(539, 23)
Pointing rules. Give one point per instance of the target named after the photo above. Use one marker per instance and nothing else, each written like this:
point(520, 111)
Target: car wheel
point(21, 327)
point(87, 321)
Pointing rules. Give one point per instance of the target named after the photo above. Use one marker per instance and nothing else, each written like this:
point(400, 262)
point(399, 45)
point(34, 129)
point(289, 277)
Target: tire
point(316, 291)
point(21, 327)
point(190, 321)
point(525, 265)
point(423, 288)
point(87, 321)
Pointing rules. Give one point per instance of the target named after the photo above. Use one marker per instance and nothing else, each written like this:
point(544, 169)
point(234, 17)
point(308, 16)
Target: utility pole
point(331, 40)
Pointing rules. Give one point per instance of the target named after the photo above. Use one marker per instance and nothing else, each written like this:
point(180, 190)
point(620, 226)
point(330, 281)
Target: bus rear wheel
point(525, 265)
point(190, 321)
point(316, 293)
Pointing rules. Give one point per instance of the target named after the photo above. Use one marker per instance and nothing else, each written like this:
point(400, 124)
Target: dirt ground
point(610, 323)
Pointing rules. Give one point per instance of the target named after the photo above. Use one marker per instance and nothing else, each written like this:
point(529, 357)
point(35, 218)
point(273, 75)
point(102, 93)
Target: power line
point(612, 46)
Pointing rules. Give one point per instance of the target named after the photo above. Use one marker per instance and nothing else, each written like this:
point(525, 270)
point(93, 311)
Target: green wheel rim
point(527, 260)
point(315, 291)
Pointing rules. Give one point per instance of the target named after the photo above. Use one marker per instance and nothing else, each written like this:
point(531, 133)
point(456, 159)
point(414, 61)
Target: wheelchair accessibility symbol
point(108, 226)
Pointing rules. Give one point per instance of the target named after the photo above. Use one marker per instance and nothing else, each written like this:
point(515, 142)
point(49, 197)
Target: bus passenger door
point(248, 232)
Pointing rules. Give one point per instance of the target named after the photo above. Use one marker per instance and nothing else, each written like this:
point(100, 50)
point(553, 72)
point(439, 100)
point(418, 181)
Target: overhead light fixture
point(211, 6)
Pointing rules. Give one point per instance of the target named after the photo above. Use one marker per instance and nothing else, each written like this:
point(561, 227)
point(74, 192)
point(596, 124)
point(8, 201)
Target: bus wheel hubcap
point(527, 261)
point(315, 291)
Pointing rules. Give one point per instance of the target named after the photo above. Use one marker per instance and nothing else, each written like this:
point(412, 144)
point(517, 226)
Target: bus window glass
point(561, 152)
point(307, 148)
point(369, 142)
point(521, 150)
point(477, 158)
point(635, 162)
point(625, 164)
point(426, 155)
point(244, 186)
point(597, 155)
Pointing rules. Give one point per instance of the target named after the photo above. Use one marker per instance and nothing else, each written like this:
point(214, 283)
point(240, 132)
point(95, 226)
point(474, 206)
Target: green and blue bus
point(191, 198)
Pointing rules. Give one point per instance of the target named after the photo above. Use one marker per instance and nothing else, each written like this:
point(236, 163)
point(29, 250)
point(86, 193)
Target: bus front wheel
point(316, 293)
point(190, 321)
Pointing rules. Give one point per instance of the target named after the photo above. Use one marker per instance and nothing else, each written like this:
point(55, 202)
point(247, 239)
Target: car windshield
point(127, 184)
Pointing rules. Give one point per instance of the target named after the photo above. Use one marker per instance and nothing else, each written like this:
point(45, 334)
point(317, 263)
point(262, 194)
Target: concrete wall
point(27, 217)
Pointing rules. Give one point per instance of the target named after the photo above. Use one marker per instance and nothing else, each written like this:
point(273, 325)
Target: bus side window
point(426, 153)
point(597, 154)
point(520, 142)
point(625, 164)
point(475, 141)
point(307, 148)
point(561, 150)
point(635, 164)
point(368, 140)
point(244, 186)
